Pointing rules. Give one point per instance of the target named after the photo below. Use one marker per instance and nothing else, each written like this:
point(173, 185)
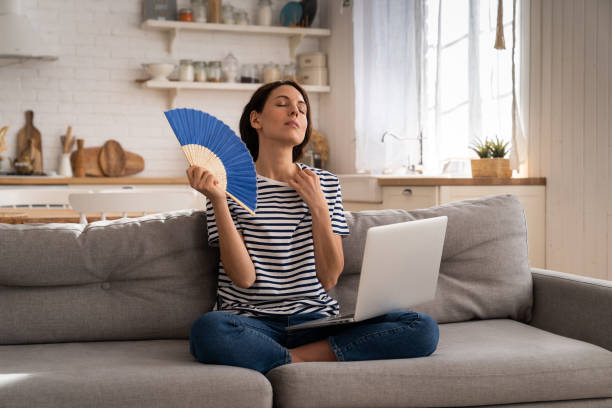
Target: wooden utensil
point(134, 163)
point(112, 159)
point(23, 143)
point(68, 140)
point(79, 165)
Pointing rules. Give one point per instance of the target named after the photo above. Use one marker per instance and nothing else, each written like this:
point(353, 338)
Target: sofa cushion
point(484, 273)
point(138, 278)
point(156, 373)
point(495, 361)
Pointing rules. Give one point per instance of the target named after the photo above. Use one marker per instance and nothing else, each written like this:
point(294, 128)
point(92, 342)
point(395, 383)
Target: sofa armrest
point(573, 306)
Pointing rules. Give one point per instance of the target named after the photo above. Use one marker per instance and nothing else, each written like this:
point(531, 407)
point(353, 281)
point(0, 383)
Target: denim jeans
point(262, 343)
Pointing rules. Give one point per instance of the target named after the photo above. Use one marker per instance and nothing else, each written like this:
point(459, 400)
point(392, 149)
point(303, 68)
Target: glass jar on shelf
point(230, 68)
point(228, 14)
point(186, 70)
point(185, 14)
point(199, 10)
point(271, 73)
point(214, 73)
point(290, 72)
point(241, 17)
point(199, 70)
point(249, 74)
point(264, 13)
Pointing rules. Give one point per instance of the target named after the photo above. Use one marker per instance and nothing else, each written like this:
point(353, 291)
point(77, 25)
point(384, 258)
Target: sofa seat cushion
point(482, 362)
point(156, 373)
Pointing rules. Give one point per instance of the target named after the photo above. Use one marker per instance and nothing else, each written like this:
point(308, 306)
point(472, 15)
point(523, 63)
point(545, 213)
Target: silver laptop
point(400, 270)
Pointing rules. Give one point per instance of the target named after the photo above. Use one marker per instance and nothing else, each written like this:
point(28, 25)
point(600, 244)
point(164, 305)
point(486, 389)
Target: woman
point(277, 266)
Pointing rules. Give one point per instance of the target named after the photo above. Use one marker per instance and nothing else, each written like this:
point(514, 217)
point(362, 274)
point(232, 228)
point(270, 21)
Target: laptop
point(400, 269)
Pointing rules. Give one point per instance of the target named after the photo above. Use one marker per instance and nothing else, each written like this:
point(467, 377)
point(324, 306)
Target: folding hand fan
point(209, 143)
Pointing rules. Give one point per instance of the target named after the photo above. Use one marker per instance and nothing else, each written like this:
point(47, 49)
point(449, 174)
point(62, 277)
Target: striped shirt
point(280, 244)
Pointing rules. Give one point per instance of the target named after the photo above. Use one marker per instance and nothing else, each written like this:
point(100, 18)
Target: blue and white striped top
point(279, 241)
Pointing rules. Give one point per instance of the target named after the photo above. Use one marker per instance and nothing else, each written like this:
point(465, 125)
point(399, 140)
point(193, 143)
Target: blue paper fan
point(209, 143)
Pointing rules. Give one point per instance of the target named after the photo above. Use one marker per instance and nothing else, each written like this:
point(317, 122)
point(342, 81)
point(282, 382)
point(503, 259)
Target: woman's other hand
point(308, 186)
point(205, 182)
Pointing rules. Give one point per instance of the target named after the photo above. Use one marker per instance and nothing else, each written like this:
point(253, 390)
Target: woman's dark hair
point(258, 100)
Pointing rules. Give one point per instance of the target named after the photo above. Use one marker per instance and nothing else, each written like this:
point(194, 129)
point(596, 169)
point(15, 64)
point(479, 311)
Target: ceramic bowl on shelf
point(159, 72)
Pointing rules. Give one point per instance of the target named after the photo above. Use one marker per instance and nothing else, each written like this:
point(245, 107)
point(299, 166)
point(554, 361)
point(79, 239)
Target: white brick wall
point(91, 86)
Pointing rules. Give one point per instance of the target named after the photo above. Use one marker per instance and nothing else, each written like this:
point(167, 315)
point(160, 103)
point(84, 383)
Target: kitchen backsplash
point(91, 86)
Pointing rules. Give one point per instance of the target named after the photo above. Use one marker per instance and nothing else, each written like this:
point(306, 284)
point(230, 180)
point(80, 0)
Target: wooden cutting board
point(133, 164)
point(24, 149)
point(111, 159)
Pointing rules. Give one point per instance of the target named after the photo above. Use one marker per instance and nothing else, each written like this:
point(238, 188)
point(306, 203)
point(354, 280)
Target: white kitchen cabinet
point(409, 197)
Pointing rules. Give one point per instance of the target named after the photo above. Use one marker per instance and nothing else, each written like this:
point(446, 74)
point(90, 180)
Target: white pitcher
point(65, 168)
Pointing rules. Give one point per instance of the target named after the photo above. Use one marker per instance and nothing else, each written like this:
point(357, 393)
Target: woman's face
point(283, 117)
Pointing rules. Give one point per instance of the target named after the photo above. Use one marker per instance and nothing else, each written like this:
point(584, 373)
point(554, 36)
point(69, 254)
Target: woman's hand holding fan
point(206, 183)
point(210, 144)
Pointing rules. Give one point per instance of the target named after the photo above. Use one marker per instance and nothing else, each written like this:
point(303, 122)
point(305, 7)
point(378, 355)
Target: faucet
point(420, 139)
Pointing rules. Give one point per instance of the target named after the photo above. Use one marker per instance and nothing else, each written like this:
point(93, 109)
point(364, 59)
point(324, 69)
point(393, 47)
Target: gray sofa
point(99, 316)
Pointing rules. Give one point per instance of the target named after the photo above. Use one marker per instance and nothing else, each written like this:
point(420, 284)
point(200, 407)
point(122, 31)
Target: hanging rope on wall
point(499, 37)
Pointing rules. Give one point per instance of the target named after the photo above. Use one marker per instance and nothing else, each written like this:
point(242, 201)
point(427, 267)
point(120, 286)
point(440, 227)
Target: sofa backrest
point(484, 273)
point(139, 278)
point(151, 277)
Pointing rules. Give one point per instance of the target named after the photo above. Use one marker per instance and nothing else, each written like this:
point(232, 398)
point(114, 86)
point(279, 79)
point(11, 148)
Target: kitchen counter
point(53, 215)
point(34, 180)
point(457, 181)
point(382, 180)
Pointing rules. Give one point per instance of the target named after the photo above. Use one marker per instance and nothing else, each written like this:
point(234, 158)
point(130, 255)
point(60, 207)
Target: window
point(430, 66)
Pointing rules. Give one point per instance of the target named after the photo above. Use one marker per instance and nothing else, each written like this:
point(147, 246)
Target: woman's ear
point(254, 119)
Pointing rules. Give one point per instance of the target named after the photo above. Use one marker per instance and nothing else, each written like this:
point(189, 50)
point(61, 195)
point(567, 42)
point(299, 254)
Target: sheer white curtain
point(430, 65)
point(387, 79)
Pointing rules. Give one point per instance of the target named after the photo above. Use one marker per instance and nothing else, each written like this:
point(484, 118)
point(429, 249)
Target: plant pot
point(492, 167)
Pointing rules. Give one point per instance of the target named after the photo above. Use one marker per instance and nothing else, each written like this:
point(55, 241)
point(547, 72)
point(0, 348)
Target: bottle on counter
point(264, 13)
point(186, 70)
point(79, 163)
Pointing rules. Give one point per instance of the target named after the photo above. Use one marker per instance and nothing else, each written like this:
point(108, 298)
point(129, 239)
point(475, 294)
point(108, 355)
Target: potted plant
point(491, 161)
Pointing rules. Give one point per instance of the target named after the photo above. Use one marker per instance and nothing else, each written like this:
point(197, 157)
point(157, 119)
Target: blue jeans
point(262, 343)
